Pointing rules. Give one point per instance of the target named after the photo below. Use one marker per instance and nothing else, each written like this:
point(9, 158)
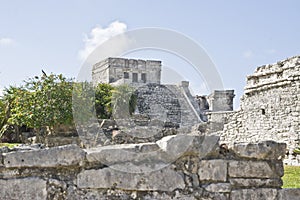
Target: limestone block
point(218, 187)
point(290, 194)
point(177, 145)
point(269, 150)
point(120, 153)
point(255, 182)
point(213, 170)
point(162, 180)
point(52, 157)
point(23, 189)
point(257, 194)
point(251, 169)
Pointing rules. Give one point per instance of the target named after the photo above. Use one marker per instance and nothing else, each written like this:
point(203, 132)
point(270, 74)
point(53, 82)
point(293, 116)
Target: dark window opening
point(134, 77)
point(263, 111)
point(144, 78)
point(126, 75)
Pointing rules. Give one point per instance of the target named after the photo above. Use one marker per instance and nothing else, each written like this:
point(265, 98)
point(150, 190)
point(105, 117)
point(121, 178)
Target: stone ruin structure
point(138, 73)
point(270, 108)
point(188, 167)
point(205, 150)
point(118, 71)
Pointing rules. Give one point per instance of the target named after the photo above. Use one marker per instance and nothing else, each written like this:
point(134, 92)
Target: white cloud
point(98, 35)
point(6, 41)
point(248, 54)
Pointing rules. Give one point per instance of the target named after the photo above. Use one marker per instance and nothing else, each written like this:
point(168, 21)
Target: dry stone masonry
point(192, 166)
point(270, 107)
point(179, 147)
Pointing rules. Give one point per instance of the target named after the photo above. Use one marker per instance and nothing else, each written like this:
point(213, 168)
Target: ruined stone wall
point(221, 100)
point(175, 167)
point(270, 106)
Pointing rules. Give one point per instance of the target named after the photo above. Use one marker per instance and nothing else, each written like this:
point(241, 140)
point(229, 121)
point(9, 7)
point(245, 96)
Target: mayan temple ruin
point(174, 146)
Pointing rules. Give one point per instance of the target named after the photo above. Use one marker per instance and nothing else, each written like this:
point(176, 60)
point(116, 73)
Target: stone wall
point(270, 106)
point(175, 167)
point(221, 100)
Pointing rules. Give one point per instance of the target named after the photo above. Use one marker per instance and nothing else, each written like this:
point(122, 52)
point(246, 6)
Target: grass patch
point(291, 178)
point(9, 145)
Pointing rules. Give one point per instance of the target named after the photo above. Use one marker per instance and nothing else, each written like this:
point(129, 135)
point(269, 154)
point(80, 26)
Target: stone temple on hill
point(137, 73)
point(269, 110)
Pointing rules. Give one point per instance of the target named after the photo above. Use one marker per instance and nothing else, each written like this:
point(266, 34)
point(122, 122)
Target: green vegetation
point(124, 101)
point(44, 102)
point(103, 96)
point(297, 150)
point(291, 178)
point(9, 145)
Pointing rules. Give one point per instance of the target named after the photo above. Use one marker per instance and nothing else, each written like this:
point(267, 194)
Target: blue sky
point(237, 35)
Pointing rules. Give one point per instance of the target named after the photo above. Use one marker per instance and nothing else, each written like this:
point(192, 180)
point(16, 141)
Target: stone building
point(184, 165)
point(221, 100)
point(118, 71)
point(145, 75)
point(270, 106)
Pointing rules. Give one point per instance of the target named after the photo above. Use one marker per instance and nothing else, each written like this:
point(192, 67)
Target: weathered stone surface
point(257, 194)
point(270, 108)
point(103, 71)
point(52, 157)
point(120, 153)
point(132, 158)
point(162, 180)
point(178, 145)
point(289, 194)
point(23, 189)
point(2, 150)
point(255, 182)
point(218, 187)
point(213, 170)
point(263, 150)
point(250, 169)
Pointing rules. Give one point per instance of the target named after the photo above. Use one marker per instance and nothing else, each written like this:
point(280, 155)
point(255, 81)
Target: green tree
point(2, 114)
point(124, 101)
point(83, 102)
point(8, 102)
point(43, 102)
point(103, 97)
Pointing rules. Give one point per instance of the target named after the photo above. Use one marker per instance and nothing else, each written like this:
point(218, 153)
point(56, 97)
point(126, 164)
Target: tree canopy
point(46, 101)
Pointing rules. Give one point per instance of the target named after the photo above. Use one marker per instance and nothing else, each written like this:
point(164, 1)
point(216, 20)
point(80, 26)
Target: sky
point(57, 36)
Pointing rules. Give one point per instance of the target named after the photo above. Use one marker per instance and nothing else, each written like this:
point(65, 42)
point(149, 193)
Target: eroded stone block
point(162, 180)
point(218, 187)
point(250, 169)
point(23, 189)
point(121, 153)
point(52, 157)
point(213, 170)
point(257, 194)
point(256, 182)
point(269, 150)
point(289, 194)
point(178, 145)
